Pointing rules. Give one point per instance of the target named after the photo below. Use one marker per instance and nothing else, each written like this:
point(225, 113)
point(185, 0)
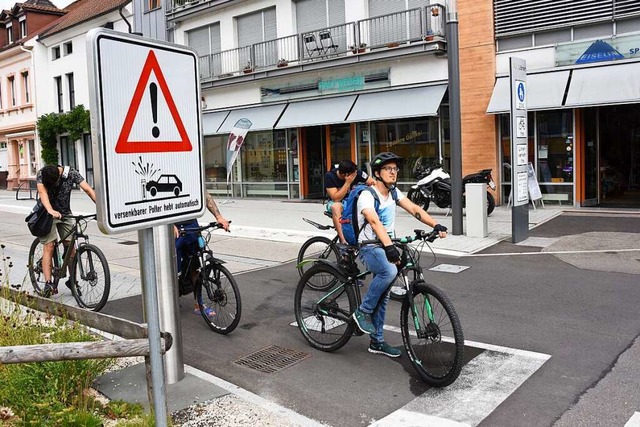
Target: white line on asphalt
point(294, 417)
point(634, 421)
point(594, 251)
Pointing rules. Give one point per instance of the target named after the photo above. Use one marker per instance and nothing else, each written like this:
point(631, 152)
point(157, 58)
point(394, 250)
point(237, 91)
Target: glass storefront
point(551, 151)
point(340, 141)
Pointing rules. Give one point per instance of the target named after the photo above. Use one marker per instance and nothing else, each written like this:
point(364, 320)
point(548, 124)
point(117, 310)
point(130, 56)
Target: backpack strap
point(354, 212)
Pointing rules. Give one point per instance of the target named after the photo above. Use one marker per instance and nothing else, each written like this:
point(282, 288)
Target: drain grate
point(272, 359)
point(128, 242)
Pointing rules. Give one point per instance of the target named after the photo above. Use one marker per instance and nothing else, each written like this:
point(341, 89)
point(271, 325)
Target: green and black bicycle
point(328, 293)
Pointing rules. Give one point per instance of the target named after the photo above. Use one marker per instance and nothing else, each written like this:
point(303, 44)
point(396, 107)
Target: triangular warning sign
point(124, 145)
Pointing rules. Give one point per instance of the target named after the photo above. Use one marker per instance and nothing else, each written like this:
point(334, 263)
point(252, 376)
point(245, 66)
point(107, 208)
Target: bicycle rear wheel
point(435, 351)
point(317, 247)
point(323, 305)
point(90, 278)
point(36, 274)
point(219, 298)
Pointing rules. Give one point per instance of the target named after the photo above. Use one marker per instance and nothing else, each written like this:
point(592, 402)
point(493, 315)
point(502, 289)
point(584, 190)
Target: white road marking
point(449, 268)
point(294, 417)
point(634, 421)
point(594, 251)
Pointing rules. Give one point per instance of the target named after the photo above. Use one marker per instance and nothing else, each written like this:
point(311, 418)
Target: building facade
point(19, 153)
point(583, 84)
point(60, 56)
point(320, 81)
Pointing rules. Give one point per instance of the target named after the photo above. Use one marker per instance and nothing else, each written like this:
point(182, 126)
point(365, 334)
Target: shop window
point(264, 160)
point(505, 149)
point(555, 146)
point(411, 139)
point(340, 143)
point(215, 162)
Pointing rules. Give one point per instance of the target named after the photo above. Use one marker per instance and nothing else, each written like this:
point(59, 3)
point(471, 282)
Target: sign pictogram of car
point(165, 184)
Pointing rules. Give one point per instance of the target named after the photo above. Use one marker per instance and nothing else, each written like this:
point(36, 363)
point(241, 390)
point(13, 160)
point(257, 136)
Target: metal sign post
point(145, 124)
point(519, 150)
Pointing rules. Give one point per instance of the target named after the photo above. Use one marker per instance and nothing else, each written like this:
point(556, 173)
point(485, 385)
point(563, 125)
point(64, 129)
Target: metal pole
point(455, 125)
point(148, 276)
point(166, 275)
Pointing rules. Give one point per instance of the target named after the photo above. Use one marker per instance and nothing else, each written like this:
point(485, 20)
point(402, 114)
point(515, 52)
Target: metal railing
point(387, 31)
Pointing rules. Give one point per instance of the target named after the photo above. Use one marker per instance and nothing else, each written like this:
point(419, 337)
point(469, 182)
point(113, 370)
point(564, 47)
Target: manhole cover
point(128, 242)
point(272, 359)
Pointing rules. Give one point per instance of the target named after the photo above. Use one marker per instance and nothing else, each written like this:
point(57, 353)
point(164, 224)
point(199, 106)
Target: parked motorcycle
point(434, 184)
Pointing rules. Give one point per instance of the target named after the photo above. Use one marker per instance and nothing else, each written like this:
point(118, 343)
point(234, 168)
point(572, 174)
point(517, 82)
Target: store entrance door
point(620, 156)
point(315, 161)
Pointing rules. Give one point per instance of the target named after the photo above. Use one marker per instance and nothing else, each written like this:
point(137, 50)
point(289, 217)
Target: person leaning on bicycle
point(187, 243)
point(382, 259)
point(54, 185)
point(337, 183)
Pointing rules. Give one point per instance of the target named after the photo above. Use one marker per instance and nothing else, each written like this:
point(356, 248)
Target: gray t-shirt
point(60, 196)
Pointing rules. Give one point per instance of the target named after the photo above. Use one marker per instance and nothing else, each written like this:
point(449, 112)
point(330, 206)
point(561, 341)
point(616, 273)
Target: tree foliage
point(74, 123)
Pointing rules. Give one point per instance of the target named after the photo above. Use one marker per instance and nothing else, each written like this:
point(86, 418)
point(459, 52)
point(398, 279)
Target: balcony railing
point(381, 32)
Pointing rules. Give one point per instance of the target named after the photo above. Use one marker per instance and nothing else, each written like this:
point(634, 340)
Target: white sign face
point(522, 187)
point(521, 127)
point(145, 115)
point(534, 187)
point(522, 155)
point(520, 93)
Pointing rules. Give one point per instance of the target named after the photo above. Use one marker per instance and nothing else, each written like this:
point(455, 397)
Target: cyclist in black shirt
point(337, 183)
point(54, 185)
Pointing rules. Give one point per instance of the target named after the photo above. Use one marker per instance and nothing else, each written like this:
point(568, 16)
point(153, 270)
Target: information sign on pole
point(519, 150)
point(145, 113)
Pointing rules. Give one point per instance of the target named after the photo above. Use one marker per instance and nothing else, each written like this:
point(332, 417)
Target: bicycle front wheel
point(90, 278)
point(432, 335)
point(318, 247)
point(219, 299)
point(36, 273)
point(323, 305)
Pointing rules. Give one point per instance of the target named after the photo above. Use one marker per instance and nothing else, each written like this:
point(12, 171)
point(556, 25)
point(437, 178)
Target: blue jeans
point(384, 273)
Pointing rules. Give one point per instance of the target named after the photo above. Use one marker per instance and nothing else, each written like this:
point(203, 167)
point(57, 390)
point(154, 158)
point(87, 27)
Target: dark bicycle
point(328, 294)
point(318, 247)
point(89, 276)
point(213, 286)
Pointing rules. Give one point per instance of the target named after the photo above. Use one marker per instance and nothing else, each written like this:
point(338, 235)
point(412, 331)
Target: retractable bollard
point(476, 201)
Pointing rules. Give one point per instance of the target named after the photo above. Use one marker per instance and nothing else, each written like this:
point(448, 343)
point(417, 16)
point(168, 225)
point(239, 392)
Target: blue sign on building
point(599, 51)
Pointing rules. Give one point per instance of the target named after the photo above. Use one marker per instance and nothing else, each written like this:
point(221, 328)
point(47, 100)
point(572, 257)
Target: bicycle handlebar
point(200, 229)
point(80, 217)
point(419, 235)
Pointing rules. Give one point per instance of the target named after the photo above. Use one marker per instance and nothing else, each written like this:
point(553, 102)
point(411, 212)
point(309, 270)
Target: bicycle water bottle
point(201, 242)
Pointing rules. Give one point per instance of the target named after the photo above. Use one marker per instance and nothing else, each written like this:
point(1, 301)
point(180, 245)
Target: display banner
point(236, 139)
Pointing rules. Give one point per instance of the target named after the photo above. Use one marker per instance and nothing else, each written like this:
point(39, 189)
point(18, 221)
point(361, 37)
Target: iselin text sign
point(146, 126)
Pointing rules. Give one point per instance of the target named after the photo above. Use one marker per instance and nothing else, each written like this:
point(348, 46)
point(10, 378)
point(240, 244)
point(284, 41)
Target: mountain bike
point(89, 275)
point(328, 294)
point(318, 247)
point(213, 286)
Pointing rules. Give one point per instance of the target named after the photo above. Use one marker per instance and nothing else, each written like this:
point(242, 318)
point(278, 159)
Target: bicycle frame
point(76, 233)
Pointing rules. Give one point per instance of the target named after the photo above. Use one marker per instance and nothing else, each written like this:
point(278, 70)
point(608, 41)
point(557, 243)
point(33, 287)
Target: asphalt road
point(582, 314)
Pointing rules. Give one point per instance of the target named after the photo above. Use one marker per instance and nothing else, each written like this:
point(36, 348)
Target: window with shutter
point(336, 12)
point(250, 29)
point(199, 40)
point(311, 15)
point(384, 7)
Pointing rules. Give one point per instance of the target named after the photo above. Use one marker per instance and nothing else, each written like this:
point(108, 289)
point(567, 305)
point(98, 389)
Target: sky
point(8, 4)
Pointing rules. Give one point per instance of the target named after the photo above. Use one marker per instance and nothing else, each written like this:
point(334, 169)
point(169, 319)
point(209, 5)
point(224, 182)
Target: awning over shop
point(545, 91)
point(262, 118)
point(212, 121)
point(605, 85)
point(414, 102)
point(316, 112)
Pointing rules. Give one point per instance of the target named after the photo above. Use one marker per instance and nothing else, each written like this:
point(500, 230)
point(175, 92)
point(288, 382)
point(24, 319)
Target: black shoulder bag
point(39, 221)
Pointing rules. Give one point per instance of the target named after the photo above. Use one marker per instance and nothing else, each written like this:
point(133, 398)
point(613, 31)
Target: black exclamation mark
point(153, 91)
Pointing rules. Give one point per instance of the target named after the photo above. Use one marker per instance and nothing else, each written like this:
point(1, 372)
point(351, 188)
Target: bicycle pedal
point(358, 332)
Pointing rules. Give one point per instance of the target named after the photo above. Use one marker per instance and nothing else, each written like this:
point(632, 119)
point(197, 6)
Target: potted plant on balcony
point(435, 11)
point(393, 44)
point(282, 63)
point(361, 48)
point(429, 36)
point(248, 69)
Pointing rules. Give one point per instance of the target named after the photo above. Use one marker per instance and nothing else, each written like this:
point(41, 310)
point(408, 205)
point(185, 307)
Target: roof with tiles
point(81, 11)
